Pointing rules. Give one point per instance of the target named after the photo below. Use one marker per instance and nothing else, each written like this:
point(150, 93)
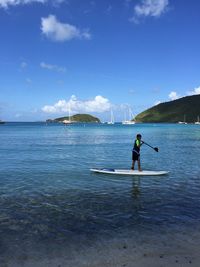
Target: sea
point(50, 200)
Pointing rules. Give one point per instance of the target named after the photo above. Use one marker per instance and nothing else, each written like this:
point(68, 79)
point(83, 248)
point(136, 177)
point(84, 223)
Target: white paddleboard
point(127, 172)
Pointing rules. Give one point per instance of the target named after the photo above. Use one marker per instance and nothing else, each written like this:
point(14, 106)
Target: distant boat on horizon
point(112, 120)
point(184, 121)
point(197, 122)
point(69, 121)
point(130, 121)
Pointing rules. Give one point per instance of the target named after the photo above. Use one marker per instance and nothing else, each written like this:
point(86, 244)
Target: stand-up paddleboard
point(127, 172)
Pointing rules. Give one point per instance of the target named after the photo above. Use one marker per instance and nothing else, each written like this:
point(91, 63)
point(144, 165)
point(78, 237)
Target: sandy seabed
point(161, 249)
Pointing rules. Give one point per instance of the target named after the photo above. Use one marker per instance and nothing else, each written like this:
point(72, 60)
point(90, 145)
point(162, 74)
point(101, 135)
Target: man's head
point(139, 136)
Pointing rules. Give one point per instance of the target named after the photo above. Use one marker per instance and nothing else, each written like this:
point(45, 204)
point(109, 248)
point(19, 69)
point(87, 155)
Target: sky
point(94, 56)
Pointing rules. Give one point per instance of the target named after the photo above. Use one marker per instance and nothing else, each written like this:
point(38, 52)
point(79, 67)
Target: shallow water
point(48, 194)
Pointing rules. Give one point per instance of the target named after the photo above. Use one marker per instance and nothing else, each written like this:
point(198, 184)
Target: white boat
point(112, 121)
point(183, 122)
point(69, 121)
point(197, 122)
point(130, 121)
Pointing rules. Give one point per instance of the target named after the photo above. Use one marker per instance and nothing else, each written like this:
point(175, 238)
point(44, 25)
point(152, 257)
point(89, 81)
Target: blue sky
point(94, 55)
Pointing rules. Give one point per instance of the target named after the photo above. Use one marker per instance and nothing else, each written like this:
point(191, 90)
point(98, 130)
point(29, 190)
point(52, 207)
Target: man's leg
point(139, 165)
point(133, 164)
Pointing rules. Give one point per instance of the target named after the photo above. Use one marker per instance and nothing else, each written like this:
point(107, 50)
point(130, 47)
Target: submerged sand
point(161, 249)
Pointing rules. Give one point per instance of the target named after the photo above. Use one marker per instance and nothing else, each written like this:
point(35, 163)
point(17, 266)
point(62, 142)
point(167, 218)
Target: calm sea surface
point(47, 192)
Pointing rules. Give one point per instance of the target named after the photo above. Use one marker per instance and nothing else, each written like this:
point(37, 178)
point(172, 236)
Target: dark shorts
point(135, 156)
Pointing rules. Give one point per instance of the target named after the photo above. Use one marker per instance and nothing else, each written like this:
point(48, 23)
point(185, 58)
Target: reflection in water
point(136, 188)
point(136, 201)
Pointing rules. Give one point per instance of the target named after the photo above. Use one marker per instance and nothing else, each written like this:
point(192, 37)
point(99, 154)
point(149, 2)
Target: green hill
point(76, 118)
point(173, 111)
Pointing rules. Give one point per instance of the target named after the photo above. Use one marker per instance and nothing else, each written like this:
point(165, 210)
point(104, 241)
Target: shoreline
point(171, 248)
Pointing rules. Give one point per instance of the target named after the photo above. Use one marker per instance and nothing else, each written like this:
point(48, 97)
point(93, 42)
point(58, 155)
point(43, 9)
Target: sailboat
point(112, 121)
point(67, 121)
point(130, 121)
point(69, 118)
point(183, 122)
point(197, 122)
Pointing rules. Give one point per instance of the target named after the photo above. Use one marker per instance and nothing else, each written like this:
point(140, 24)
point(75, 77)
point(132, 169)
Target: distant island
point(183, 109)
point(2, 122)
point(78, 118)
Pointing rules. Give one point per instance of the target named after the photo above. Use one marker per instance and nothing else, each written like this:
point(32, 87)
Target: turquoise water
point(47, 192)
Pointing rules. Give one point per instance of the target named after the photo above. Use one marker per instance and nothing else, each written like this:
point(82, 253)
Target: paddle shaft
point(155, 148)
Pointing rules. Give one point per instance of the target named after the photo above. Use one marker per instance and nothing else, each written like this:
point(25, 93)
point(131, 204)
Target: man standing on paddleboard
point(136, 152)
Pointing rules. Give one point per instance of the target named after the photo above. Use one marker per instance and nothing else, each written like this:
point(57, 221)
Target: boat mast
point(69, 114)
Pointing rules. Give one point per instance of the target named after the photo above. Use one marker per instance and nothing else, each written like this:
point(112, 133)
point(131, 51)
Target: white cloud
point(58, 31)
point(6, 3)
point(99, 104)
point(52, 67)
point(150, 8)
point(195, 91)
point(157, 103)
point(173, 95)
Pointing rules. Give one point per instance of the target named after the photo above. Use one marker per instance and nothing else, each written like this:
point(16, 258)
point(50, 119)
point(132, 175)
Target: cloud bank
point(99, 104)
point(60, 32)
point(174, 95)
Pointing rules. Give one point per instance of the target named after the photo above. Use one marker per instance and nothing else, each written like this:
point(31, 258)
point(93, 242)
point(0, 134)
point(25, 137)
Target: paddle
point(155, 148)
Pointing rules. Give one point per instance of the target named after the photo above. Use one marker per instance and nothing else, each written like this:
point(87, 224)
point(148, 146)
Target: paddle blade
point(156, 149)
